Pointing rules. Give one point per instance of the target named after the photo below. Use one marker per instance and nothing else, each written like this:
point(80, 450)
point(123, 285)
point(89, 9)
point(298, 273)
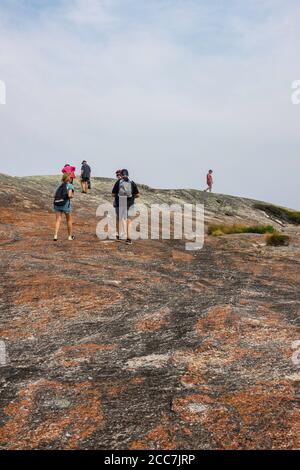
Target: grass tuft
point(278, 239)
point(222, 229)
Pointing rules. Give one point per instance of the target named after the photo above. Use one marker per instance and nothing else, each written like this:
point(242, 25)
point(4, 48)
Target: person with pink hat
point(71, 170)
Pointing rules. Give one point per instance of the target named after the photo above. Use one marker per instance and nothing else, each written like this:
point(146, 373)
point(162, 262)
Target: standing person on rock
point(85, 177)
point(124, 193)
point(118, 177)
point(62, 205)
point(209, 181)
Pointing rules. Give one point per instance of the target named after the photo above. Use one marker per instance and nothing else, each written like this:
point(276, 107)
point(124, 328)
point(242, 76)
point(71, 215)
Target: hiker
point(209, 181)
point(119, 177)
point(85, 177)
point(124, 193)
point(62, 205)
point(71, 170)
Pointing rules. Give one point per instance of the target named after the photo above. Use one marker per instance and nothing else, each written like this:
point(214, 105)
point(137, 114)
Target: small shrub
point(260, 229)
point(216, 232)
point(278, 239)
point(222, 229)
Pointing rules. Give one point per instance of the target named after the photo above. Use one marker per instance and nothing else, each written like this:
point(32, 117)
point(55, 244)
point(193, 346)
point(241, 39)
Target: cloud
point(90, 13)
point(166, 88)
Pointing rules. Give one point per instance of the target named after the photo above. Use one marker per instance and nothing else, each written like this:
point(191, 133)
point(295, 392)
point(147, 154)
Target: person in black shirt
point(124, 192)
point(85, 176)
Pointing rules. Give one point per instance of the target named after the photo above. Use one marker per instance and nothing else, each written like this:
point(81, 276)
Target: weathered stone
point(144, 346)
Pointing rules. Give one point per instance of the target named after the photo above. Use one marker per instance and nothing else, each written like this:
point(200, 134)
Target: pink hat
point(68, 169)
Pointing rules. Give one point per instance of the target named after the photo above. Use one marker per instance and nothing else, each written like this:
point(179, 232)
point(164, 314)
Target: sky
point(165, 88)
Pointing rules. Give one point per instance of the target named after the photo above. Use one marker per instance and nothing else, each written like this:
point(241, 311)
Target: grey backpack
point(125, 188)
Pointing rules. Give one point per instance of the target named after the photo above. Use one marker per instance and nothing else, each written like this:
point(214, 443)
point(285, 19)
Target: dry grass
point(222, 229)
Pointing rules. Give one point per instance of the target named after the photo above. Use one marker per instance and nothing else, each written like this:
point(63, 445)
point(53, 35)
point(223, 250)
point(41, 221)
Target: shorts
point(85, 179)
point(130, 212)
point(66, 209)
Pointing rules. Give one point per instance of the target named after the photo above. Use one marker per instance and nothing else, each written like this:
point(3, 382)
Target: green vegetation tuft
point(278, 239)
point(281, 213)
point(222, 229)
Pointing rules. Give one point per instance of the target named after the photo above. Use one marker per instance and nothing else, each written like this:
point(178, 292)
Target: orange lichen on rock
point(146, 346)
point(73, 424)
point(161, 437)
point(178, 255)
point(153, 322)
point(69, 356)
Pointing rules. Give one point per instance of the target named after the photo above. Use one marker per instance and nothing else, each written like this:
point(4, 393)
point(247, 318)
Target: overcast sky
point(165, 88)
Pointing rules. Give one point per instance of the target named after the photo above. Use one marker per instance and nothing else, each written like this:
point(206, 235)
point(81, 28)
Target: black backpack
point(61, 195)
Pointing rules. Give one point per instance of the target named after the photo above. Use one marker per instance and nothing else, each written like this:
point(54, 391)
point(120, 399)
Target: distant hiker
point(124, 192)
point(62, 205)
point(209, 181)
point(119, 177)
point(85, 177)
point(71, 170)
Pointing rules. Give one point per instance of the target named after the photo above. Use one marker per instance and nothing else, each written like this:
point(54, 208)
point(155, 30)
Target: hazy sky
point(165, 88)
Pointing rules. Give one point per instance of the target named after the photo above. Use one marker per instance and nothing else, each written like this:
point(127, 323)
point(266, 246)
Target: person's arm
point(135, 191)
point(115, 189)
point(71, 193)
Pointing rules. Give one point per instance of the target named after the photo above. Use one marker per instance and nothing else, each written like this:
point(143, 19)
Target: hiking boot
point(128, 241)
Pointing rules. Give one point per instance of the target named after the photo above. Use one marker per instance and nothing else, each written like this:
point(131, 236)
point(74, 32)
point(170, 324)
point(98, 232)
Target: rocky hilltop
point(147, 346)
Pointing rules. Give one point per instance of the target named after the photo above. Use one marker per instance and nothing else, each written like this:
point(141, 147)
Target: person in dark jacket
point(85, 177)
point(124, 192)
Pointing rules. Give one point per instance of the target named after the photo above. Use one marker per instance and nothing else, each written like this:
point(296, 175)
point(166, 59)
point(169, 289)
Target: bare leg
point(118, 225)
point(57, 223)
point(129, 228)
point(70, 224)
point(123, 228)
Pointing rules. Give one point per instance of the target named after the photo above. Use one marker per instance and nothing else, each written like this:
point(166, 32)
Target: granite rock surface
point(148, 346)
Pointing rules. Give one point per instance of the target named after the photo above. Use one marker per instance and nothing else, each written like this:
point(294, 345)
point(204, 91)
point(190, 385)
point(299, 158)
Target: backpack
point(86, 170)
point(125, 188)
point(61, 195)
